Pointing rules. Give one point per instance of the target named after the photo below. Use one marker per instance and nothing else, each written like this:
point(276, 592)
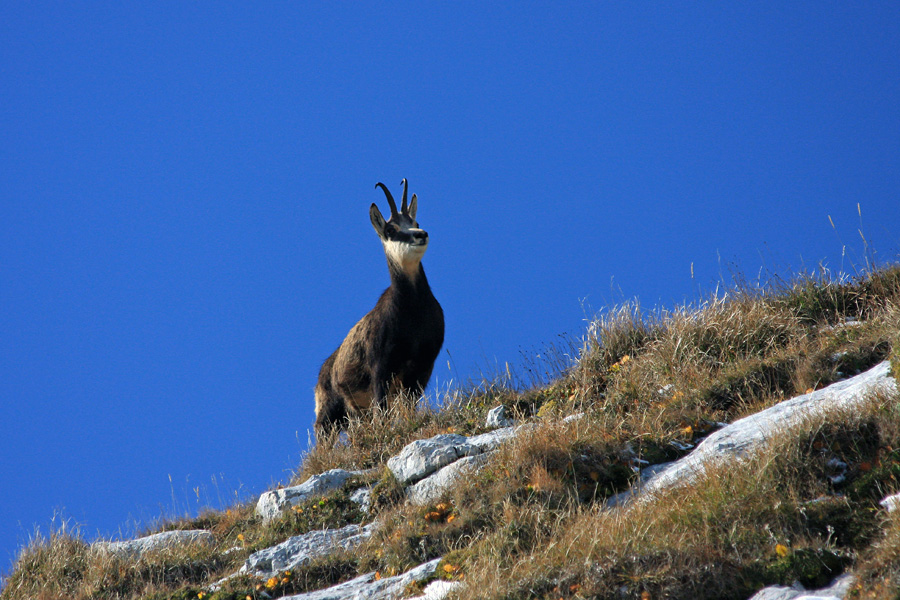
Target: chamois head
point(404, 243)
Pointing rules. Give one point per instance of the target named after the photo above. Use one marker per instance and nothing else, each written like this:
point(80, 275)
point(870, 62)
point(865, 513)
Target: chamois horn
point(390, 199)
point(403, 207)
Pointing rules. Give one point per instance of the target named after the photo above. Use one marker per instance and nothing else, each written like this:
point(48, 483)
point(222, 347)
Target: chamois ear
point(377, 220)
point(413, 207)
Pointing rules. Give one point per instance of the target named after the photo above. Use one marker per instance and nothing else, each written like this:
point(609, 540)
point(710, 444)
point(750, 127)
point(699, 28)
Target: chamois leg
point(379, 392)
point(334, 417)
point(331, 412)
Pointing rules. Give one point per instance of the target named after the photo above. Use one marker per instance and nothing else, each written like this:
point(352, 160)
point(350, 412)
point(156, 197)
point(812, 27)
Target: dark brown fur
point(393, 348)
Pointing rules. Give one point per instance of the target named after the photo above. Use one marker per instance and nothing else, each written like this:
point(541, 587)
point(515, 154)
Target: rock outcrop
point(748, 435)
point(271, 503)
point(370, 587)
point(159, 541)
point(301, 549)
point(838, 590)
point(423, 457)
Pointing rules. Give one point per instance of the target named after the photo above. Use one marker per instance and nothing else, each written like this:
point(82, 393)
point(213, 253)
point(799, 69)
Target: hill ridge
point(519, 482)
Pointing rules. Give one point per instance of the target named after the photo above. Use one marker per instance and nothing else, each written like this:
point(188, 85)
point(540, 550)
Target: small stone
point(363, 497)
point(891, 503)
point(575, 417)
point(497, 417)
point(438, 590)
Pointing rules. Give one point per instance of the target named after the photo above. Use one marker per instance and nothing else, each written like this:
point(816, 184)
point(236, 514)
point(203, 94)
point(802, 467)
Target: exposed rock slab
point(366, 587)
point(431, 488)
point(271, 503)
point(423, 457)
point(300, 550)
point(836, 591)
point(748, 435)
point(158, 541)
point(491, 440)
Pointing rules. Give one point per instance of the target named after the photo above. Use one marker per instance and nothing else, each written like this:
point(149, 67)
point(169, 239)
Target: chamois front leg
point(380, 387)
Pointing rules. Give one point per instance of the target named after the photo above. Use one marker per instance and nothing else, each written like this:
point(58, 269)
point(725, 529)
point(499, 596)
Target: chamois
point(392, 349)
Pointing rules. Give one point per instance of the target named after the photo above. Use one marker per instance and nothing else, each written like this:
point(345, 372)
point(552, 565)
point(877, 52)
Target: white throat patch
point(406, 256)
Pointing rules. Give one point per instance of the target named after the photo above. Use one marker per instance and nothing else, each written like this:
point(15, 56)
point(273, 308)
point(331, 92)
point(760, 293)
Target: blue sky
point(184, 206)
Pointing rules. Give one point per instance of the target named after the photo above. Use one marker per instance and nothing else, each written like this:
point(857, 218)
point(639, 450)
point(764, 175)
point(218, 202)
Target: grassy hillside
point(532, 522)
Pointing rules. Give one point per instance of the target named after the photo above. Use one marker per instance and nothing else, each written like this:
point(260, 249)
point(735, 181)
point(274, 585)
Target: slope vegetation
point(535, 521)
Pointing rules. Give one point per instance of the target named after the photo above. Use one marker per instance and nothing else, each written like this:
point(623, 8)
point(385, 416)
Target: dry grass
point(532, 522)
point(775, 519)
point(64, 566)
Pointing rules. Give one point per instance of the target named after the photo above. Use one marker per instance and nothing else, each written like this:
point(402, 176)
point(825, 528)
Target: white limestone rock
point(438, 590)
point(366, 587)
point(300, 550)
point(423, 457)
point(271, 503)
point(891, 503)
point(746, 436)
point(363, 497)
point(491, 440)
point(575, 417)
point(158, 541)
point(497, 417)
point(430, 489)
point(836, 591)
